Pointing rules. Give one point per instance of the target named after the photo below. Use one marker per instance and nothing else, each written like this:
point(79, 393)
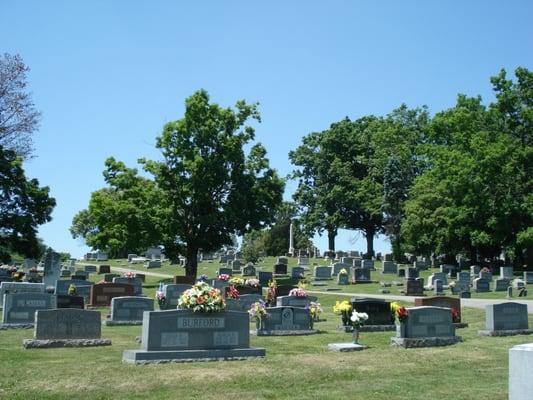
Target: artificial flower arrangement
point(72, 290)
point(343, 272)
point(357, 320)
point(257, 311)
point(402, 314)
point(271, 292)
point(224, 277)
point(343, 309)
point(315, 309)
point(233, 293)
point(129, 275)
point(455, 315)
point(236, 281)
point(252, 282)
point(298, 292)
point(202, 298)
point(302, 284)
point(160, 297)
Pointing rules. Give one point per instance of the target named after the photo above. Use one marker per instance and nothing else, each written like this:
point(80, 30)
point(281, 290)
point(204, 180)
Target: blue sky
point(108, 74)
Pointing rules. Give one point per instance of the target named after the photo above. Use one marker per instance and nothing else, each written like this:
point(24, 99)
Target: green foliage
point(124, 217)
point(210, 187)
point(23, 207)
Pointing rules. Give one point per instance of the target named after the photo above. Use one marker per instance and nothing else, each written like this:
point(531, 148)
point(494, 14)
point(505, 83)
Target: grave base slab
point(16, 326)
point(346, 347)
point(510, 332)
point(425, 341)
point(59, 343)
point(110, 322)
point(181, 356)
point(284, 333)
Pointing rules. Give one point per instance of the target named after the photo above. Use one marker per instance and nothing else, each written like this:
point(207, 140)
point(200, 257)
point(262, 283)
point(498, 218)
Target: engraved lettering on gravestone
point(200, 323)
point(225, 338)
point(174, 339)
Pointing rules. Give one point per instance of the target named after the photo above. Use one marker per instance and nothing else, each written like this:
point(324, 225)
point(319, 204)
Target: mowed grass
point(294, 367)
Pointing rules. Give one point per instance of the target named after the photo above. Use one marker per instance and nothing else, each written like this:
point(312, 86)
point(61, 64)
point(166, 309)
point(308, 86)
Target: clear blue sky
point(108, 74)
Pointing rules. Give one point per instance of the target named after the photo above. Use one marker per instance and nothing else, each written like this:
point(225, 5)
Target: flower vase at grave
point(355, 335)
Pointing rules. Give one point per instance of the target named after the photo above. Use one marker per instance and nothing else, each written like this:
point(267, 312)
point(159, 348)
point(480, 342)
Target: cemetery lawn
point(294, 367)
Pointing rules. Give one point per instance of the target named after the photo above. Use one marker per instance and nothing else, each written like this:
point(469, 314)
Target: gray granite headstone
point(243, 303)
point(172, 294)
point(501, 284)
point(361, 275)
point(19, 308)
point(287, 319)
point(90, 269)
point(129, 309)
point(293, 301)
point(481, 285)
point(322, 272)
point(264, 277)
point(248, 270)
point(389, 268)
point(412, 273)
point(474, 270)
point(20, 287)
point(506, 272)
point(427, 322)
point(135, 282)
point(528, 277)
point(225, 271)
point(67, 323)
point(83, 288)
point(506, 316)
point(297, 272)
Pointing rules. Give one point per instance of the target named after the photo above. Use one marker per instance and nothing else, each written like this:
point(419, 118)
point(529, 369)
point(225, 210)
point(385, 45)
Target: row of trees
point(459, 182)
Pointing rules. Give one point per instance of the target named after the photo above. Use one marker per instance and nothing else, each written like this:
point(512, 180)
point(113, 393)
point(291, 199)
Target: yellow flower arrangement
point(342, 307)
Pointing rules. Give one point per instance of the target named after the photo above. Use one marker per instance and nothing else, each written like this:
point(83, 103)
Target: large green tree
point(124, 217)
point(211, 187)
point(24, 205)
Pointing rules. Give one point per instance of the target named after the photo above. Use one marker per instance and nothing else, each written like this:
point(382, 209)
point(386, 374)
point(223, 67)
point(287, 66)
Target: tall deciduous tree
point(24, 205)
point(123, 217)
point(211, 187)
point(18, 116)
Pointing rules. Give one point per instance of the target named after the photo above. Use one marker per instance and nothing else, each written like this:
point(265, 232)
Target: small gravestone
point(153, 264)
point(347, 260)
point(264, 277)
point(248, 270)
point(380, 316)
point(481, 285)
point(282, 260)
point(322, 273)
point(368, 264)
point(280, 269)
point(294, 301)
point(304, 261)
point(447, 268)
point(65, 273)
point(389, 268)
point(184, 335)
point(235, 265)
point(19, 287)
point(172, 294)
point(19, 308)
point(420, 265)
point(343, 279)
point(506, 272)
point(474, 270)
point(437, 287)
point(243, 303)
point(501, 284)
point(67, 301)
point(486, 275)
point(135, 282)
point(286, 321)
point(414, 287)
point(104, 269)
point(509, 292)
point(102, 293)
point(90, 269)
point(412, 273)
point(110, 277)
point(284, 290)
point(426, 327)
point(337, 267)
point(506, 319)
point(520, 366)
point(129, 310)
point(297, 273)
point(437, 275)
point(225, 271)
point(528, 277)
point(66, 327)
point(361, 275)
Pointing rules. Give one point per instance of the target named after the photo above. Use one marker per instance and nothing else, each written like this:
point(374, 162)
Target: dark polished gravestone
point(128, 310)
point(444, 302)
point(20, 287)
point(426, 327)
point(506, 319)
point(380, 316)
point(104, 269)
point(265, 277)
point(186, 280)
point(110, 277)
point(66, 327)
point(66, 301)
point(280, 269)
point(414, 287)
point(283, 290)
point(90, 269)
point(286, 321)
point(19, 308)
point(361, 275)
point(244, 289)
point(184, 335)
point(102, 293)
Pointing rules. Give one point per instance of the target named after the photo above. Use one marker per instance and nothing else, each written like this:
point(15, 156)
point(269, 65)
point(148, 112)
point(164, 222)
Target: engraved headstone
point(129, 310)
point(322, 272)
point(102, 293)
point(286, 321)
point(19, 308)
point(19, 287)
point(361, 275)
point(172, 294)
point(389, 268)
point(135, 282)
point(506, 319)
point(280, 269)
point(297, 272)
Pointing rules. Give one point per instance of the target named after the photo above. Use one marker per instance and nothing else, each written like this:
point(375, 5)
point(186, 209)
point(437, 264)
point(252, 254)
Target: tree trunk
point(331, 239)
point(369, 234)
point(191, 266)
